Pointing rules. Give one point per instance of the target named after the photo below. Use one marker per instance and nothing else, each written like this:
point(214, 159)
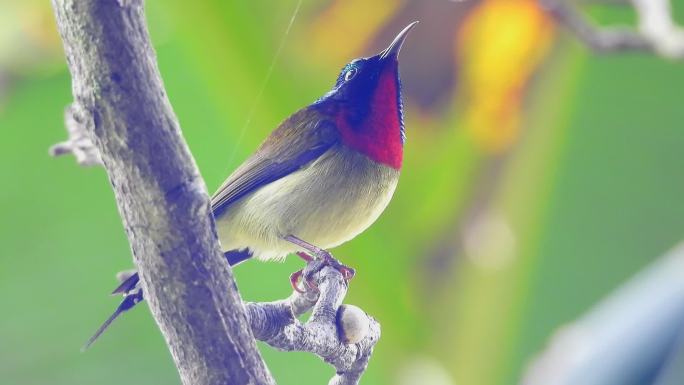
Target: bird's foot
point(294, 281)
point(328, 260)
point(314, 265)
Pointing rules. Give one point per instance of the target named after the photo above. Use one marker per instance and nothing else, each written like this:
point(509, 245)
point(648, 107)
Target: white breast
point(328, 203)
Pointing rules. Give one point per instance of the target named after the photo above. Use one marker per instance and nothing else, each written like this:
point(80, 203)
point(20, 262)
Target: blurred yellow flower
point(500, 45)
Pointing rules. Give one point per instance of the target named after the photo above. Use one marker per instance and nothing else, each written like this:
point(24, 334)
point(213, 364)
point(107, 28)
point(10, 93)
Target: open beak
point(395, 46)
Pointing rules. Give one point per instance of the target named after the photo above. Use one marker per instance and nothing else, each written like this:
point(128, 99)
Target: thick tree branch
point(162, 199)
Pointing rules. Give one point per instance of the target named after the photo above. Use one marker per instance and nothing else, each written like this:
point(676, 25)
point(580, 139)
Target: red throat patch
point(378, 136)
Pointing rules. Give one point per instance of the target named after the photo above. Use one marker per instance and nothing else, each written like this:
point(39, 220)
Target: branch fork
point(341, 335)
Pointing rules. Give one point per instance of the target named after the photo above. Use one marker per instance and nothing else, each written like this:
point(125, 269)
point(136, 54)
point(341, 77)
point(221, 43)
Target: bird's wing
point(298, 141)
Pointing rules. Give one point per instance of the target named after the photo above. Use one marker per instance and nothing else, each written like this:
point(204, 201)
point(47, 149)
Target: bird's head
point(366, 105)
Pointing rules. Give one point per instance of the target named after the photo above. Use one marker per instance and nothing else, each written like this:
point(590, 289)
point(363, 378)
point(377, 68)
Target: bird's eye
point(349, 74)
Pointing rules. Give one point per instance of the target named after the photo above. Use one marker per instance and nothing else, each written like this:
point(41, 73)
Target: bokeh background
point(538, 177)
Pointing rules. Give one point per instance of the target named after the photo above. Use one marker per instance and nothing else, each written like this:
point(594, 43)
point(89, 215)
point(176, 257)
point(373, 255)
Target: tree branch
point(656, 31)
point(161, 197)
point(79, 143)
point(122, 119)
point(599, 39)
point(341, 335)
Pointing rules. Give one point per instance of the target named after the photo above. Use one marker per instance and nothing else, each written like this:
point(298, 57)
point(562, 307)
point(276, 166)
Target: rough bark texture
point(163, 202)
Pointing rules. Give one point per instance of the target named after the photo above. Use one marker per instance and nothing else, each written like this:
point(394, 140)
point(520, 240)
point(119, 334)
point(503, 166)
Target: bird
point(322, 177)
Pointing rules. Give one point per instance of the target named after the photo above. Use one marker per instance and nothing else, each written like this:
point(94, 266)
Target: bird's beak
point(393, 50)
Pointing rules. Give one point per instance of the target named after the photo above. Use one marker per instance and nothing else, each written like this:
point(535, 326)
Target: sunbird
point(322, 177)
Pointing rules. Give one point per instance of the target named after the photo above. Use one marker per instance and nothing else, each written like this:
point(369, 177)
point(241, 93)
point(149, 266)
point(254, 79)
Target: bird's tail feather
point(128, 302)
point(235, 257)
point(129, 279)
point(133, 293)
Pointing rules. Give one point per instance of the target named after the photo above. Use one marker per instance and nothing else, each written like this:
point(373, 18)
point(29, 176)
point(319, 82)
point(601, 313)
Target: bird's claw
point(294, 281)
point(314, 265)
point(347, 272)
point(328, 260)
point(308, 281)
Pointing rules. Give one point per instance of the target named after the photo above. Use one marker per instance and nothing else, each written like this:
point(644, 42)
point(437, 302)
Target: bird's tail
point(133, 293)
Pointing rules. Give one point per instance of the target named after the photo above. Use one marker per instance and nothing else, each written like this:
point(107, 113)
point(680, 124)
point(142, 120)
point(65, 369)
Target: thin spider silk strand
point(264, 83)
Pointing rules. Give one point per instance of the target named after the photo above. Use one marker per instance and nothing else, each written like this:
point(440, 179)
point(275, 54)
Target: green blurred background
point(538, 177)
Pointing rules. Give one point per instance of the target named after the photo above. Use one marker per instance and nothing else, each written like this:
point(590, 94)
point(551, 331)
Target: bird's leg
point(315, 263)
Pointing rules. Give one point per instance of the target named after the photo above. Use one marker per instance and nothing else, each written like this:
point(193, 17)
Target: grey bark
point(120, 99)
point(122, 119)
point(341, 335)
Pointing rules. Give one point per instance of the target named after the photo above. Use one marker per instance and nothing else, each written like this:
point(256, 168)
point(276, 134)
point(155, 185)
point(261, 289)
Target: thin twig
point(655, 33)
point(600, 39)
point(79, 143)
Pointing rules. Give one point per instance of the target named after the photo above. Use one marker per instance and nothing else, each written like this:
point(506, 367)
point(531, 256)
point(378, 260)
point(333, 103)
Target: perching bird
point(321, 178)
